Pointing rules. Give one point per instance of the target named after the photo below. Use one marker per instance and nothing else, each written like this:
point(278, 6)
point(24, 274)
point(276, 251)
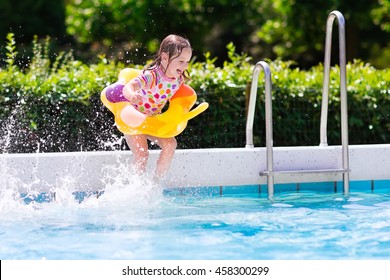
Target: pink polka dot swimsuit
point(156, 90)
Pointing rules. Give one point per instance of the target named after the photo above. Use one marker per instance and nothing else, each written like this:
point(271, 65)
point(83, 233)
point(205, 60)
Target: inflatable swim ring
point(165, 125)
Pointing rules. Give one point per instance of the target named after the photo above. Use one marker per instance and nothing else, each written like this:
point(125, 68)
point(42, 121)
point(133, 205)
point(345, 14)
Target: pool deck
point(194, 167)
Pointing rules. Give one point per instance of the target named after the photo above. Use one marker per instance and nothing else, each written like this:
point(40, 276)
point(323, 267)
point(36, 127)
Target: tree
point(296, 28)
point(26, 18)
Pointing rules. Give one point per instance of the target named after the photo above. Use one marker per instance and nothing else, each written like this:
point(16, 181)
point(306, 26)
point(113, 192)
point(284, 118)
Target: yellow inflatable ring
point(165, 125)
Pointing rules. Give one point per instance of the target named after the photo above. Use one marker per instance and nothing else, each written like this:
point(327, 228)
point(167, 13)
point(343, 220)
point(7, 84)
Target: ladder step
point(313, 171)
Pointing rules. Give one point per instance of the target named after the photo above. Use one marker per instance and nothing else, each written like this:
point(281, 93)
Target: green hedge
point(53, 103)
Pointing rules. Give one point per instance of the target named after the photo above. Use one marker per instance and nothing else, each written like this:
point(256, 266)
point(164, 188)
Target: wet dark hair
point(172, 45)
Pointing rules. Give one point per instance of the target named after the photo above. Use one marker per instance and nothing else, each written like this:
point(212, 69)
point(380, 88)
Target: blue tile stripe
point(321, 187)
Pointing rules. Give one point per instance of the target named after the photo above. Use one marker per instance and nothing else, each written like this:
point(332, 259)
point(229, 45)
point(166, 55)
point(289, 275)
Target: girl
point(149, 92)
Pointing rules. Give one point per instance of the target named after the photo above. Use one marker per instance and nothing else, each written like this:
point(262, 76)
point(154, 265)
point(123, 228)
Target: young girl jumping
point(150, 91)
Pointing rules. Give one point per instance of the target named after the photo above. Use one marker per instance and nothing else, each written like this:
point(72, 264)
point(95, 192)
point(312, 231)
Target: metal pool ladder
point(270, 172)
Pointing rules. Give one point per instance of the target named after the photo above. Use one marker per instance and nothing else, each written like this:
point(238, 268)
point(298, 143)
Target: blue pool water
point(141, 221)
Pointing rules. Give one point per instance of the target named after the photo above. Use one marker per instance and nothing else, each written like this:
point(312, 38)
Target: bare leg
point(168, 147)
point(138, 144)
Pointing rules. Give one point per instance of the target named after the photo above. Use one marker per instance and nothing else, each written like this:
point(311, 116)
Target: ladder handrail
point(324, 107)
point(343, 90)
point(325, 87)
point(252, 100)
point(268, 117)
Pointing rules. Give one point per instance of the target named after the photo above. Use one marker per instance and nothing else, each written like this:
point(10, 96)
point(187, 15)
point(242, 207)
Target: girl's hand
point(134, 97)
point(131, 93)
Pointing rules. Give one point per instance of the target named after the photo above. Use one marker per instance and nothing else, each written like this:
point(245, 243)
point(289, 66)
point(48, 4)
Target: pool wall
point(194, 167)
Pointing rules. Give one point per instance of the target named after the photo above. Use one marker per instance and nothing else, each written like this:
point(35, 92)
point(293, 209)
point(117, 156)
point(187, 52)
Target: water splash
point(8, 130)
point(124, 190)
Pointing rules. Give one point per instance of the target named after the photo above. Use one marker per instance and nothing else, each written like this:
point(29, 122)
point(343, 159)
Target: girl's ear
point(164, 57)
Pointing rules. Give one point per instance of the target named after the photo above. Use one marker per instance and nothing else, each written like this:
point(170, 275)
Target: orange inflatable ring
point(165, 125)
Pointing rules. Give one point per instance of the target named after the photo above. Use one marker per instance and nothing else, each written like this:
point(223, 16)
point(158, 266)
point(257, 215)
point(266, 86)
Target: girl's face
point(176, 66)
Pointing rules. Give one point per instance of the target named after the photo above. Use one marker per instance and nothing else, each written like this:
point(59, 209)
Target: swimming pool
point(135, 219)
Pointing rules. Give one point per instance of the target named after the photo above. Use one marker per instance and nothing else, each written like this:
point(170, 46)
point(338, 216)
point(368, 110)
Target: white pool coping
point(194, 167)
